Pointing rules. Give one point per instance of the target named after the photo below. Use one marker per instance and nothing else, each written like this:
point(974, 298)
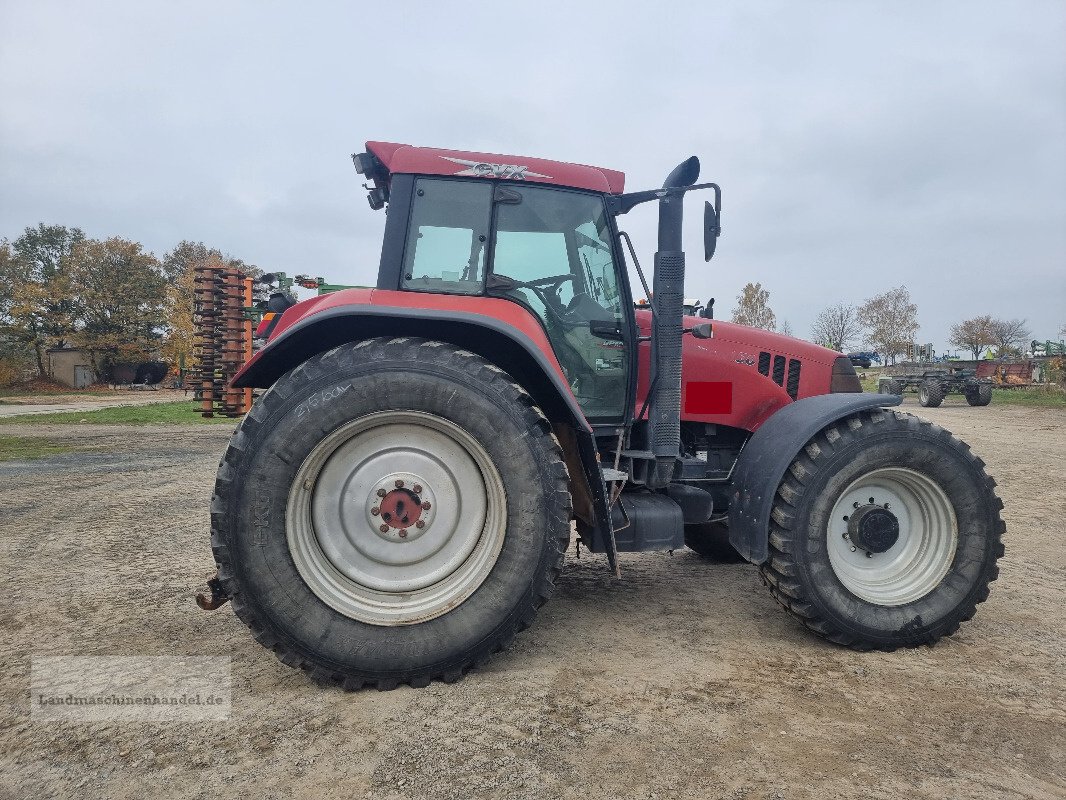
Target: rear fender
point(524, 354)
point(767, 455)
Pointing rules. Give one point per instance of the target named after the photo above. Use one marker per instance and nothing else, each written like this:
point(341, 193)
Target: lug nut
point(403, 533)
point(420, 524)
point(855, 504)
point(375, 511)
point(852, 547)
point(417, 489)
point(399, 484)
point(847, 535)
point(426, 506)
point(382, 492)
point(869, 554)
point(385, 529)
point(886, 505)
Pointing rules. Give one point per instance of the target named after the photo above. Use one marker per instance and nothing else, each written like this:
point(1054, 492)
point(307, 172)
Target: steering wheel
point(551, 282)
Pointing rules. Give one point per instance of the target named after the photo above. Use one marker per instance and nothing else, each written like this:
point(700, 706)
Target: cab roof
point(433, 161)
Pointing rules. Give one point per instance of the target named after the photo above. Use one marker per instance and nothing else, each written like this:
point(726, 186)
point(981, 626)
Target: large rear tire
point(930, 393)
point(885, 533)
point(391, 511)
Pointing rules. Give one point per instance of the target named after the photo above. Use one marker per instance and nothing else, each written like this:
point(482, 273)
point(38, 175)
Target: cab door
point(553, 252)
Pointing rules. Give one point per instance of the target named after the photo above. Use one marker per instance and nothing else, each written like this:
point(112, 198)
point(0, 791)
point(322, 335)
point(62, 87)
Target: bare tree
point(786, 328)
point(1062, 330)
point(753, 308)
point(1009, 335)
point(891, 322)
point(973, 334)
point(836, 326)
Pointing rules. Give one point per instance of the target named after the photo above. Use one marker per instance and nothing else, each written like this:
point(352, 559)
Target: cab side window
point(448, 236)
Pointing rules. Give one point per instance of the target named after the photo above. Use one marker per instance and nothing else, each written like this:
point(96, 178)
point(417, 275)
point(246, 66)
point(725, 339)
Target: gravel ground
point(682, 680)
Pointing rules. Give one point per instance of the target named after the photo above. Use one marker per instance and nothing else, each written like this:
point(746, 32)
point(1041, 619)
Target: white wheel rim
point(371, 547)
point(921, 556)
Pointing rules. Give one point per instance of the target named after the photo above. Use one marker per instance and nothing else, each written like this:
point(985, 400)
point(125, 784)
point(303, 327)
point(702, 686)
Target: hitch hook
point(218, 596)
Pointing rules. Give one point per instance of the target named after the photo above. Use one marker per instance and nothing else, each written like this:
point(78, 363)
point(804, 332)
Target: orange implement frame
point(223, 337)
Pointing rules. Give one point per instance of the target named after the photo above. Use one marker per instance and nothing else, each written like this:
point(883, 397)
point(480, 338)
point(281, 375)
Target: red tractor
point(396, 505)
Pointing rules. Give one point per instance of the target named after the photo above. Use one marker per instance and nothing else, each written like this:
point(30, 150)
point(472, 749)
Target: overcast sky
point(859, 145)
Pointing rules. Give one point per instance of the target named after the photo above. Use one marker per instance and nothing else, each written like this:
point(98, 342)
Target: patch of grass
point(25, 448)
point(178, 413)
point(1046, 398)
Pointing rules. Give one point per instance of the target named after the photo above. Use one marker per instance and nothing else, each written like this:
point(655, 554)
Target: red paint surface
point(433, 161)
point(723, 359)
point(512, 314)
point(708, 397)
point(753, 397)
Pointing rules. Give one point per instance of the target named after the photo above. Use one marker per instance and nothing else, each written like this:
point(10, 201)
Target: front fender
point(767, 455)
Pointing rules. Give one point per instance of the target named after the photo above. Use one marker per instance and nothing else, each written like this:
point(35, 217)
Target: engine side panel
point(741, 376)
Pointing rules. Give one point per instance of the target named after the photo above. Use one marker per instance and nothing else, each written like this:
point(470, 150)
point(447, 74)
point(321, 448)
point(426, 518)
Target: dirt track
point(682, 680)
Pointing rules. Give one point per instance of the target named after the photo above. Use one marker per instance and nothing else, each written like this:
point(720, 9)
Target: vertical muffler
point(668, 287)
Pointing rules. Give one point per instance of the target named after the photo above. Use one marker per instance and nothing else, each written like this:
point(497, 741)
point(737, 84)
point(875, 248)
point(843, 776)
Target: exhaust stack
point(668, 287)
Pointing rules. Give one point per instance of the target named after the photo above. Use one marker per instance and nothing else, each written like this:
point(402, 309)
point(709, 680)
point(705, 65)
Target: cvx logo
point(744, 358)
point(484, 169)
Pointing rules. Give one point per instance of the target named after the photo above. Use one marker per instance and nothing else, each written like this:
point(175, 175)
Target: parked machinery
point(223, 337)
point(933, 385)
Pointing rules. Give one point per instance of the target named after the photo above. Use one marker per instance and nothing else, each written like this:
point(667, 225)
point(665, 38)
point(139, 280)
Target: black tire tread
point(934, 390)
point(780, 567)
point(328, 362)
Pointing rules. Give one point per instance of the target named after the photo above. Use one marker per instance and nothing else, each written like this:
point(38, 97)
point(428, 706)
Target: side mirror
point(712, 227)
point(701, 331)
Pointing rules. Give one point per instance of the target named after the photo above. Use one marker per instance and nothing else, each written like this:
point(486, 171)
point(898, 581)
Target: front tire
point(391, 511)
point(912, 496)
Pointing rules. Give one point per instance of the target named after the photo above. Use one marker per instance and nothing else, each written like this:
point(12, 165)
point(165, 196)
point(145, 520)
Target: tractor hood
point(761, 340)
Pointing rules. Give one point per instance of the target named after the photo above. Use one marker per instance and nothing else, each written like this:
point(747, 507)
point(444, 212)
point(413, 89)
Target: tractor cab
point(534, 232)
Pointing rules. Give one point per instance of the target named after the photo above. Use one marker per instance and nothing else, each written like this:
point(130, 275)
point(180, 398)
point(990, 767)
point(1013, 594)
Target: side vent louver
point(779, 370)
point(764, 363)
point(793, 378)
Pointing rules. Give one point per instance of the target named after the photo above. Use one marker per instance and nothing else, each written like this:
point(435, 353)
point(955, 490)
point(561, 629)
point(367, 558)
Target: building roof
point(433, 161)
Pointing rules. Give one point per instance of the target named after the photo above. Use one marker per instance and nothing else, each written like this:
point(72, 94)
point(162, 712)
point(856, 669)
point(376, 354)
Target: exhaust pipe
point(668, 286)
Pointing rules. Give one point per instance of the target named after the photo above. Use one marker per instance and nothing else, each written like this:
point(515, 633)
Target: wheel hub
point(873, 528)
point(401, 507)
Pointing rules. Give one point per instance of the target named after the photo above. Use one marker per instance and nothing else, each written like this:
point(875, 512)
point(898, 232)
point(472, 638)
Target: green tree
point(753, 308)
point(41, 310)
point(120, 291)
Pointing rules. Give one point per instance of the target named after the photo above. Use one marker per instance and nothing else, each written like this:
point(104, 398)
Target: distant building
point(71, 366)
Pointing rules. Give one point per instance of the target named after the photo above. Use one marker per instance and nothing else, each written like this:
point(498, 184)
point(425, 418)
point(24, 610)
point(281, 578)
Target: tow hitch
point(218, 595)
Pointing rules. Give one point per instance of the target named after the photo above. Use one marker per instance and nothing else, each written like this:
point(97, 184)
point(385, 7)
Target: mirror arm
point(640, 272)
